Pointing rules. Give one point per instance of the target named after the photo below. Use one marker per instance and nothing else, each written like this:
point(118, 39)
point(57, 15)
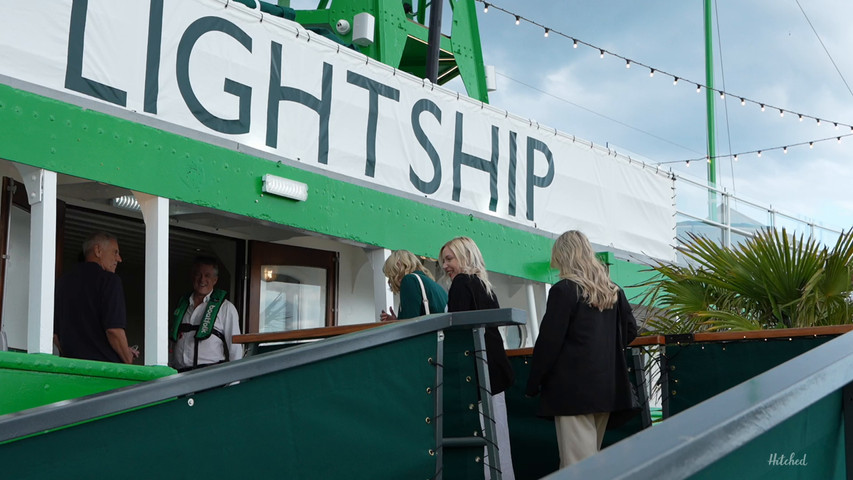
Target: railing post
point(438, 450)
point(847, 407)
point(639, 371)
point(727, 220)
point(489, 431)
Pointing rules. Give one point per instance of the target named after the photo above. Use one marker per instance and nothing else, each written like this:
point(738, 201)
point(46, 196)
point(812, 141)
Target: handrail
point(741, 335)
point(58, 415)
point(694, 439)
point(305, 333)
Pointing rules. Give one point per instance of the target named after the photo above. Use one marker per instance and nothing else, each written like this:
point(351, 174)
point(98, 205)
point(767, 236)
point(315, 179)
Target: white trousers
point(502, 432)
point(579, 436)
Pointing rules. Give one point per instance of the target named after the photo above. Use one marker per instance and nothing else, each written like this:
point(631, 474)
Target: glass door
point(291, 288)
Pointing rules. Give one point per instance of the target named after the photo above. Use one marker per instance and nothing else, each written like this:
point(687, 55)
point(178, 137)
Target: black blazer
point(578, 362)
point(467, 292)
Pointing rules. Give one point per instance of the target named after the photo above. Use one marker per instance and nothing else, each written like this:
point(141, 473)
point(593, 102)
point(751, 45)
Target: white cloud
point(770, 54)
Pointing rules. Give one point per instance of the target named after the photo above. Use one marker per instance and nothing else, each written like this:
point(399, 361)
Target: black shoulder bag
point(621, 417)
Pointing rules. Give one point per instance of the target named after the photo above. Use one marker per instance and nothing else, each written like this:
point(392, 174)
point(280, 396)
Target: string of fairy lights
point(676, 79)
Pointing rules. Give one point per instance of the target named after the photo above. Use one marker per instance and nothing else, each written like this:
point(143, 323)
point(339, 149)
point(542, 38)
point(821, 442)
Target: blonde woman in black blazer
point(470, 289)
point(578, 364)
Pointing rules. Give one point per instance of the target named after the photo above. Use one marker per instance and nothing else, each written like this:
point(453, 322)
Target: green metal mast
point(709, 107)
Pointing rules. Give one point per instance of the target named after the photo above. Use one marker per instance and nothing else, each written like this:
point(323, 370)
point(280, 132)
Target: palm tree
point(771, 280)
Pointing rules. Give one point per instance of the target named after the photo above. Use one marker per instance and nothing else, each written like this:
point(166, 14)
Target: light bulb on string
point(839, 139)
point(759, 154)
point(652, 71)
point(736, 157)
point(785, 150)
point(708, 159)
point(811, 144)
point(687, 164)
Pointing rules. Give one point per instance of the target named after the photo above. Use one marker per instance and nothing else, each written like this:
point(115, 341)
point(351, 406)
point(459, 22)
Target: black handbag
point(621, 417)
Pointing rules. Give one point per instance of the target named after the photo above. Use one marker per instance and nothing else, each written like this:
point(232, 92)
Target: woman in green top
point(403, 270)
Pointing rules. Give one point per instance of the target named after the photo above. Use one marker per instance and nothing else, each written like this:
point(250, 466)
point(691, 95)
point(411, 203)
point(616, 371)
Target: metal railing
point(717, 213)
point(700, 436)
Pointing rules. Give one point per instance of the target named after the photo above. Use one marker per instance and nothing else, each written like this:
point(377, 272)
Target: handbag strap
point(423, 294)
point(621, 321)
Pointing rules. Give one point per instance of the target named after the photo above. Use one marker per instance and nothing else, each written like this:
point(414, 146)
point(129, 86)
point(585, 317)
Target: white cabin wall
point(512, 293)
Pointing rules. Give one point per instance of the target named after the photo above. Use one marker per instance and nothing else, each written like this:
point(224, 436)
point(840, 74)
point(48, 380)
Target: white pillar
point(532, 317)
point(382, 295)
point(41, 193)
point(534, 330)
point(155, 211)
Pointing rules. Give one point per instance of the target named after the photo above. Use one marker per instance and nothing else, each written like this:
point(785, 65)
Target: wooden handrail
point(325, 332)
point(305, 334)
point(648, 340)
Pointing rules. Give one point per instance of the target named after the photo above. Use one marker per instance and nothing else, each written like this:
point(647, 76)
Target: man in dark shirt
point(89, 315)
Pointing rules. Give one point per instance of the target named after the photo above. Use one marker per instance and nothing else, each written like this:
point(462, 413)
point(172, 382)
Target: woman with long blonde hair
point(470, 289)
point(578, 362)
point(415, 285)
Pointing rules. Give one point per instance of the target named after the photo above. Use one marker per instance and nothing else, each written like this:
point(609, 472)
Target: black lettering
point(376, 89)
point(489, 166)
point(74, 79)
point(420, 106)
point(242, 92)
point(278, 93)
point(152, 61)
point(533, 146)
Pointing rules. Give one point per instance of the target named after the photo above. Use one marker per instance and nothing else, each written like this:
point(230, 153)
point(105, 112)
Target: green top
point(411, 300)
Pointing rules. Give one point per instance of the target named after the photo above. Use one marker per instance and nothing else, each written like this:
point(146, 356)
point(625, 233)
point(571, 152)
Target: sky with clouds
point(767, 51)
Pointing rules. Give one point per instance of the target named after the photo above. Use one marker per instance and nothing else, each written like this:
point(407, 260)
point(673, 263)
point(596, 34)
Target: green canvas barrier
point(698, 371)
point(359, 415)
point(809, 445)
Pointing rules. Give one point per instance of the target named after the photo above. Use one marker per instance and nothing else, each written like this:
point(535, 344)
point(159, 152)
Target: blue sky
point(764, 50)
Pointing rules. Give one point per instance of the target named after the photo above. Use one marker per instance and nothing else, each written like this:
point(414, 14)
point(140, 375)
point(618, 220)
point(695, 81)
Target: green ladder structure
point(401, 36)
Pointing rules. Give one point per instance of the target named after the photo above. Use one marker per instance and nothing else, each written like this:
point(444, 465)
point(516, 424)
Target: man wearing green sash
point(204, 322)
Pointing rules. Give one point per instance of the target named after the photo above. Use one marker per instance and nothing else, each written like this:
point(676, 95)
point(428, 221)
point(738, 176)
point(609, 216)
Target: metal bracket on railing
point(493, 459)
point(847, 412)
point(639, 371)
point(439, 404)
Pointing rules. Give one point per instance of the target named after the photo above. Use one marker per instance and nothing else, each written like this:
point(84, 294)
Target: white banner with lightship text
point(223, 69)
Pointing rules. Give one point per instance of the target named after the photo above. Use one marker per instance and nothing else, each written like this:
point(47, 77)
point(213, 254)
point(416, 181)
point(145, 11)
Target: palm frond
point(771, 280)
